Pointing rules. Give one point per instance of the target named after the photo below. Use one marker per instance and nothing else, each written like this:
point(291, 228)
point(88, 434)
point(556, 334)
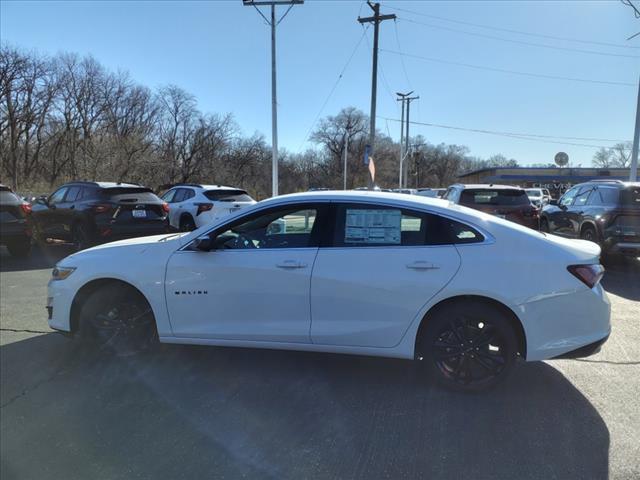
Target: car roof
point(492, 186)
point(105, 184)
point(205, 187)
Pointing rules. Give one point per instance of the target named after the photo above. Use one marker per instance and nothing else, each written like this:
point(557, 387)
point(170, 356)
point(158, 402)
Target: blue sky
point(220, 52)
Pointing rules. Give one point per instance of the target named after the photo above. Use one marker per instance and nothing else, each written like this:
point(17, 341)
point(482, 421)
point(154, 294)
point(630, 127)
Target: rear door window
point(498, 196)
point(228, 196)
point(358, 225)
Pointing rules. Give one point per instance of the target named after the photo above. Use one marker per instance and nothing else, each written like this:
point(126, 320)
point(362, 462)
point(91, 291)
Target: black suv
point(15, 231)
point(603, 211)
point(86, 213)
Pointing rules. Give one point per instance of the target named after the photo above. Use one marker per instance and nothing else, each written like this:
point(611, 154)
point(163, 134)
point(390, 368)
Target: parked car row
point(84, 214)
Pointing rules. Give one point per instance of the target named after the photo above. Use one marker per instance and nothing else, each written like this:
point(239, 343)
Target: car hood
point(141, 244)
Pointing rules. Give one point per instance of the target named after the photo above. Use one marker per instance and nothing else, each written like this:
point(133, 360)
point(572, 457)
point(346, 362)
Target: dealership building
point(556, 179)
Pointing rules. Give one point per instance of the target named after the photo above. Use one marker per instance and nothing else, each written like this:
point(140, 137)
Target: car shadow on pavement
point(40, 258)
point(204, 412)
point(622, 277)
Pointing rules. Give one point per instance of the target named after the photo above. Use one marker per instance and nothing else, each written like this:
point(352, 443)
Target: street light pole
point(633, 171)
point(346, 154)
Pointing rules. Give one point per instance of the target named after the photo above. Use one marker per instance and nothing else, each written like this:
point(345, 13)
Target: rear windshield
point(131, 194)
point(228, 196)
point(630, 196)
point(9, 198)
point(494, 197)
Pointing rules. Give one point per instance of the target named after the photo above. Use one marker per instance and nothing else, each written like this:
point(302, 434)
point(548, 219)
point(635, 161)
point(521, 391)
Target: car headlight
point(60, 273)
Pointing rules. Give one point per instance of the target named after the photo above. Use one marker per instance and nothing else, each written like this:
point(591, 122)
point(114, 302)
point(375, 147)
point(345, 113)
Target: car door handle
point(291, 264)
point(422, 265)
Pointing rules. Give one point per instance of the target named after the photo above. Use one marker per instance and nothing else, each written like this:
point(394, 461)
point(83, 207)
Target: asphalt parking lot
point(201, 412)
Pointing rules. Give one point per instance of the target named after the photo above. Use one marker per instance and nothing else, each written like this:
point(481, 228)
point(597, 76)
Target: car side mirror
point(203, 243)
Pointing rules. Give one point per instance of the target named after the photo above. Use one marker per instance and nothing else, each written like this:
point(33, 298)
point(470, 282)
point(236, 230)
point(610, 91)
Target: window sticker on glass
point(372, 226)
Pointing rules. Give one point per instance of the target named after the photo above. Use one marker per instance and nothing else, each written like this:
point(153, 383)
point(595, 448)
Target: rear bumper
point(625, 248)
point(14, 231)
point(586, 351)
point(565, 322)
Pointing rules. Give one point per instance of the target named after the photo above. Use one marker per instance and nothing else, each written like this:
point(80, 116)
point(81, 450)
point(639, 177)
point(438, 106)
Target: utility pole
point(346, 154)
point(402, 99)
point(376, 19)
point(406, 139)
point(274, 103)
point(633, 171)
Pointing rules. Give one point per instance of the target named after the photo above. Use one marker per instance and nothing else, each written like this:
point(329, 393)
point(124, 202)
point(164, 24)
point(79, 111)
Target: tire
point(20, 249)
point(119, 319)
point(589, 233)
point(80, 238)
point(544, 225)
point(187, 224)
point(469, 346)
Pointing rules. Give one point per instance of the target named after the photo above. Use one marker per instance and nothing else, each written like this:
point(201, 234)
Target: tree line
point(67, 117)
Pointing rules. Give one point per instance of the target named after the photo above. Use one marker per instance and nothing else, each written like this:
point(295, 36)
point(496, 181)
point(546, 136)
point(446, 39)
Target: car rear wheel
point(119, 319)
point(589, 233)
point(469, 346)
point(20, 249)
point(544, 225)
point(187, 224)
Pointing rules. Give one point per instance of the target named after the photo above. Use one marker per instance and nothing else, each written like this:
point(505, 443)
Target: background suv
point(194, 205)
point(504, 201)
point(85, 213)
point(15, 231)
point(602, 211)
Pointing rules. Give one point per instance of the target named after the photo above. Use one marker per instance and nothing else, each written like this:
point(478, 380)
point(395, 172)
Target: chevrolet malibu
point(464, 293)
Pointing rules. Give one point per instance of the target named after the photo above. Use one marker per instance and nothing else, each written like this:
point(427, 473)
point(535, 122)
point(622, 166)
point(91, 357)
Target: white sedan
point(364, 273)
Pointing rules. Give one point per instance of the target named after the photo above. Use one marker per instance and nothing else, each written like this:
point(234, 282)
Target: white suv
point(193, 205)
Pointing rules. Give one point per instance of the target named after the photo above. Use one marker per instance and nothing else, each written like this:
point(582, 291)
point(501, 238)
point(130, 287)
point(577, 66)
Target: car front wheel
point(118, 318)
point(469, 346)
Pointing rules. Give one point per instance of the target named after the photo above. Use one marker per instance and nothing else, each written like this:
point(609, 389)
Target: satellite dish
point(561, 159)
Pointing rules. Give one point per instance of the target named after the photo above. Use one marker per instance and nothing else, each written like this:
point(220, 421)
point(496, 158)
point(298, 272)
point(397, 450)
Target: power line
point(513, 72)
point(519, 32)
point(519, 42)
point(404, 68)
point(335, 85)
point(521, 136)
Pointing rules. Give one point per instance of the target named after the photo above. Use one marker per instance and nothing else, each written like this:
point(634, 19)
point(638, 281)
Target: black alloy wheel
point(470, 347)
point(544, 225)
point(589, 234)
point(187, 224)
point(118, 319)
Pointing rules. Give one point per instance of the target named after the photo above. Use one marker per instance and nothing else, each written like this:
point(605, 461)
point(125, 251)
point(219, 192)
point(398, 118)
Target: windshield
point(501, 197)
point(228, 196)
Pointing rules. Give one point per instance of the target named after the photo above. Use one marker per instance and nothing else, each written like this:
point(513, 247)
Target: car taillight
point(165, 207)
point(101, 208)
point(590, 275)
point(26, 208)
point(204, 207)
